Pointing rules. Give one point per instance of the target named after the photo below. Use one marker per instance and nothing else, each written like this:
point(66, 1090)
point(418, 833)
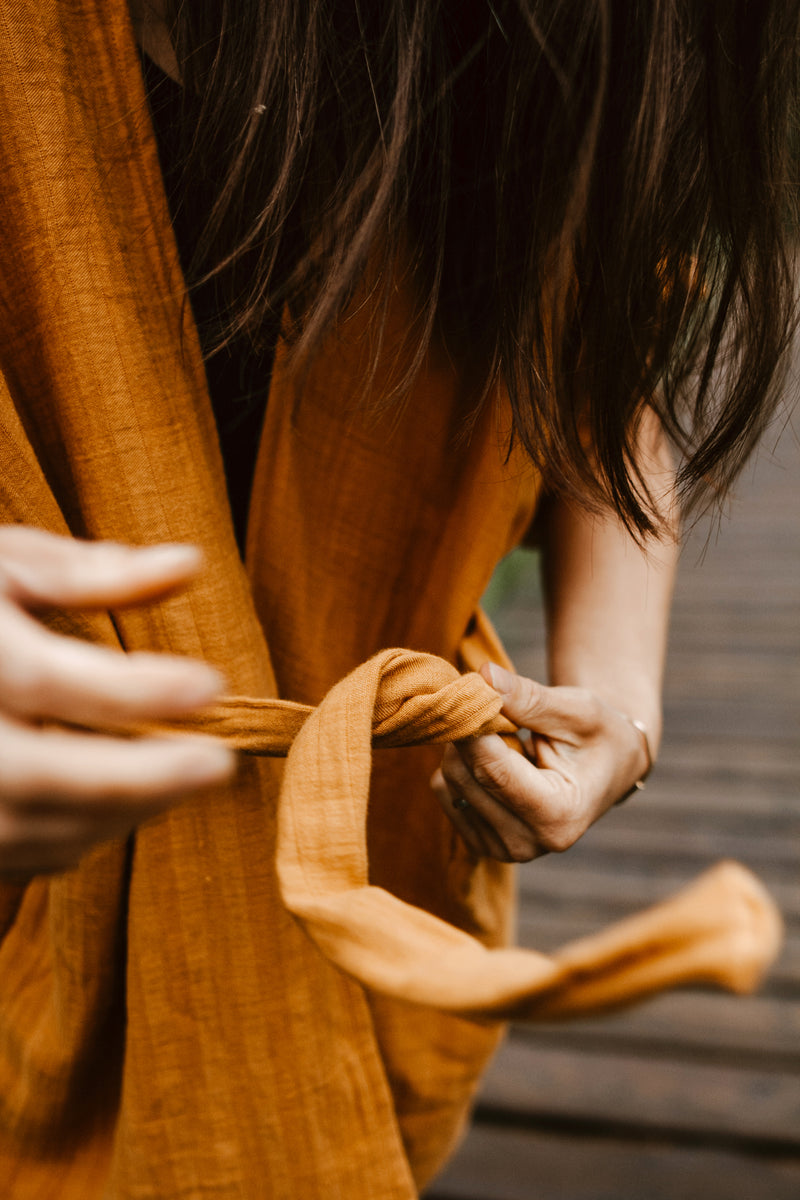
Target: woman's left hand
point(582, 757)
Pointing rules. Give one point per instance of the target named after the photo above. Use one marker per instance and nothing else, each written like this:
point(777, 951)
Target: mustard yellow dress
point(263, 993)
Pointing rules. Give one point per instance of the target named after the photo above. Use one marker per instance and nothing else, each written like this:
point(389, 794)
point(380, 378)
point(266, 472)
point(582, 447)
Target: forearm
point(608, 599)
point(608, 605)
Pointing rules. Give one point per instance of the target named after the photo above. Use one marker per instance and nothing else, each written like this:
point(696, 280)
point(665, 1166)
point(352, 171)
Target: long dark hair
point(594, 201)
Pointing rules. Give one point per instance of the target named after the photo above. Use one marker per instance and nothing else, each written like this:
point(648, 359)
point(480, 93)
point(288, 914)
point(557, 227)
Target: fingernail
point(501, 679)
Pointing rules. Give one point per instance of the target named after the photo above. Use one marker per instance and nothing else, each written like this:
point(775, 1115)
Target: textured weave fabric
point(268, 991)
point(721, 929)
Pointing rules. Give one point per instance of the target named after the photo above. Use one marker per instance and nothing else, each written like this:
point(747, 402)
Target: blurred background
point(694, 1094)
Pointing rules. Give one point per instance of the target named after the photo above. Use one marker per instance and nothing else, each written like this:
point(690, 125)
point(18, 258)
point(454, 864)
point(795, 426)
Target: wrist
point(646, 751)
point(635, 696)
point(640, 709)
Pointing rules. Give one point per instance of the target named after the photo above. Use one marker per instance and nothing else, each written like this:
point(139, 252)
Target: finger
point(104, 777)
point(534, 810)
point(39, 568)
point(45, 675)
point(469, 825)
point(565, 712)
point(508, 837)
point(40, 837)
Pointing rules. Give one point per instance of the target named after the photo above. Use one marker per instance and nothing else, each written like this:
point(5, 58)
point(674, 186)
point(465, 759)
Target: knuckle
point(564, 823)
point(448, 774)
point(482, 775)
point(520, 849)
point(532, 691)
point(556, 840)
point(590, 708)
point(491, 774)
point(560, 835)
point(529, 696)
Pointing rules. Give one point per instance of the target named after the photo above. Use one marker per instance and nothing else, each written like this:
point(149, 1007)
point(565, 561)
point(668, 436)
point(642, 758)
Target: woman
point(509, 247)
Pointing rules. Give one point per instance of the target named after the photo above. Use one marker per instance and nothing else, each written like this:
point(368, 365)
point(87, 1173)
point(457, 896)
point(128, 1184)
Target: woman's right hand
point(63, 790)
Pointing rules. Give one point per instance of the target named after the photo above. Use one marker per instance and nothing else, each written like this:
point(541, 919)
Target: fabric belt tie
point(723, 928)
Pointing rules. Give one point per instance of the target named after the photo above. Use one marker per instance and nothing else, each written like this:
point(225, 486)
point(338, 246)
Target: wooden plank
point(640, 1095)
point(616, 839)
point(704, 788)
point(727, 715)
point(706, 776)
point(633, 885)
point(695, 1094)
point(758, 653)
point(506, 1164)
point(727, 754)
point(654, 813)
point(738, 628)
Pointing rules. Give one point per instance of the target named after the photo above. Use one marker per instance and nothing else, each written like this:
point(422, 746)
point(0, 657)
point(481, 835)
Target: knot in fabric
point(721, 929)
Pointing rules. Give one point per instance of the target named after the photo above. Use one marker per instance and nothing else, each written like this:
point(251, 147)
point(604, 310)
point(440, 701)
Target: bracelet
point(641, 728)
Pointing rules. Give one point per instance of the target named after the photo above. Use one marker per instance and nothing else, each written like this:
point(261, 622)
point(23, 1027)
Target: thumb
point(532, 705)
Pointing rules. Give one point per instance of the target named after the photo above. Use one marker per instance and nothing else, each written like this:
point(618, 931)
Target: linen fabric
point(287, 987)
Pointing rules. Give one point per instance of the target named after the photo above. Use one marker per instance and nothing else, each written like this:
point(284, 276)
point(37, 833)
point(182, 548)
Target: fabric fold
point(422, 700)
point(168, 1027)
point(722, 929)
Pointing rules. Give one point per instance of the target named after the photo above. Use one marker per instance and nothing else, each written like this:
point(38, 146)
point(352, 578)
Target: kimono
point(279, 988)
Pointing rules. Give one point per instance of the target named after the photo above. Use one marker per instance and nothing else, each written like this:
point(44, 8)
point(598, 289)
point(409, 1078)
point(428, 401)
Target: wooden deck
point(695, 1094)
